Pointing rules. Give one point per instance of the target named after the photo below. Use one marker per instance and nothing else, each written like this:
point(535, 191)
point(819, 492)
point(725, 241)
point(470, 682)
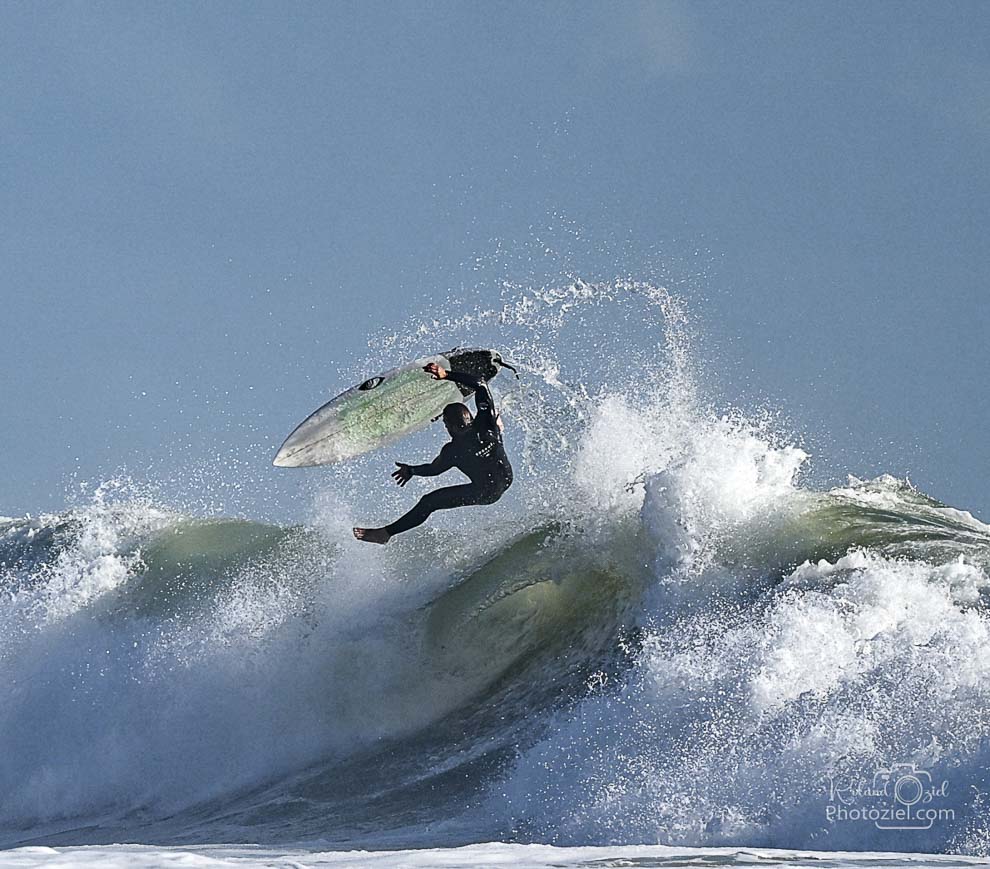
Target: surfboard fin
point(501, 363)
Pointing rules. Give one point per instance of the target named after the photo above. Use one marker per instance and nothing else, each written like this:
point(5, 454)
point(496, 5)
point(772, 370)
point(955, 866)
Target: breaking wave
point(660, 635)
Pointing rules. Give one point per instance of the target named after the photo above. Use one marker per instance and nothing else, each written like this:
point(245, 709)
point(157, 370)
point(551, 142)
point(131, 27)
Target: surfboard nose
point(292, 453)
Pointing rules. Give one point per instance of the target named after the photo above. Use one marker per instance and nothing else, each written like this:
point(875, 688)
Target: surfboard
point(381, 409)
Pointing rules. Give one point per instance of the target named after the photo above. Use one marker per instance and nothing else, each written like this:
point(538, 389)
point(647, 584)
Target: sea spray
point(660, 634)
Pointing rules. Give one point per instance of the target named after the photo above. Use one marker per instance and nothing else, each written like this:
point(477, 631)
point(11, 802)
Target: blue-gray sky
point(206, 207)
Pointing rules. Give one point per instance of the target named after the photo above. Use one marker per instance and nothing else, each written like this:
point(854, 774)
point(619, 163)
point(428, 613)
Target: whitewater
point(663, 647)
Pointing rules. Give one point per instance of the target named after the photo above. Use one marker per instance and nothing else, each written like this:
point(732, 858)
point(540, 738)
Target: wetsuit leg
point(442, 499)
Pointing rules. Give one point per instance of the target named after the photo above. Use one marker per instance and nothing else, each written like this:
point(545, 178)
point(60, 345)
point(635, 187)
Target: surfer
point(475, 449)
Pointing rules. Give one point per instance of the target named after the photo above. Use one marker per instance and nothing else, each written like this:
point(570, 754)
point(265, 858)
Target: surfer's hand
point(403, 475)
point(438, 372)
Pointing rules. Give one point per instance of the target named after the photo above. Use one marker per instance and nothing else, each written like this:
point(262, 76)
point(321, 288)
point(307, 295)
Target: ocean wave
point(661, 635)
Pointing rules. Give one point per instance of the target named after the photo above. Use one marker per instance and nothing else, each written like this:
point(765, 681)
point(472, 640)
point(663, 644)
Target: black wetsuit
point(477, 451)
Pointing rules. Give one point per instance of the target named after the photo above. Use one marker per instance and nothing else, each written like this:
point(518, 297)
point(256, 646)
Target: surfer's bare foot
point(372, 535)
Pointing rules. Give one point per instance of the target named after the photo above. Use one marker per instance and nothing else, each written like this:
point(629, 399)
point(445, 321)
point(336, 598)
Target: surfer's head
point(457, 417)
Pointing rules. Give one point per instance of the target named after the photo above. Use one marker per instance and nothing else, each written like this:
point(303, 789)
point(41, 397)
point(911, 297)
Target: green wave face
point(886, 516)
point(192, 641)
point(187, 565)
point(546, 587)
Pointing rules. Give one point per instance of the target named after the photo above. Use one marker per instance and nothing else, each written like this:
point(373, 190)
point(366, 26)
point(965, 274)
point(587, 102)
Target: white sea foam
point(737, 643)
point(751, 691)
point(467, 857)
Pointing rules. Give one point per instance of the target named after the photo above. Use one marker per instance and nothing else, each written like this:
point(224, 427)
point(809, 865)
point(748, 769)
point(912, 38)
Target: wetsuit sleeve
point(482, 396)
point(443, 462)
